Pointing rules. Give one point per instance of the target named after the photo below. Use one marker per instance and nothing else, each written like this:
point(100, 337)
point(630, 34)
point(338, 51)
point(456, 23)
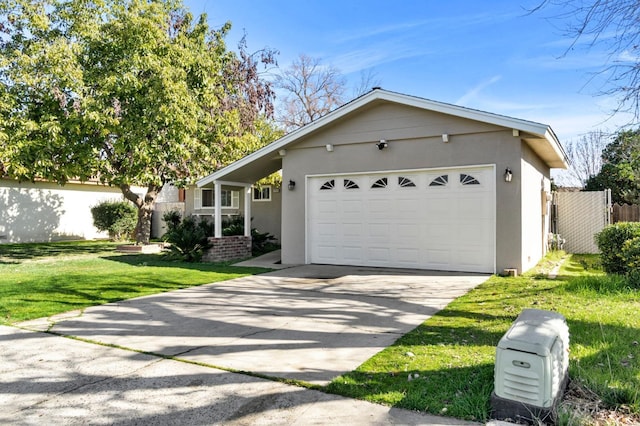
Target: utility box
point(531, 370)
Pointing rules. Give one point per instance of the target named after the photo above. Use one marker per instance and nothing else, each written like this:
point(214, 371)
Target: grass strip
point(445, 366)
point(40, 286)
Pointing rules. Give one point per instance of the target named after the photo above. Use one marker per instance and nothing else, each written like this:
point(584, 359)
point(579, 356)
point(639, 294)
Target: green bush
point(261, 242)
point(172, 219)
point(118, 218)
point(611, 241)
point(187, 238)
point(208, 227)
point(233, 226)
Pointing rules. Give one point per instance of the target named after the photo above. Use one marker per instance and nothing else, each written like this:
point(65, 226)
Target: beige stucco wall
point(267, 214)
point(415, 142)
point(40, 212)
point(535, 183)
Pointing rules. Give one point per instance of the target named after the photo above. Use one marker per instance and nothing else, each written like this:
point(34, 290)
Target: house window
point(204, 199)
point(468, 180)
point(349, 184)
point(262, 193)
point(380, 183)
point(440, 181)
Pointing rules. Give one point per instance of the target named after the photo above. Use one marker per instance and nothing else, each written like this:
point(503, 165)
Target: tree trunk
point(145, 210)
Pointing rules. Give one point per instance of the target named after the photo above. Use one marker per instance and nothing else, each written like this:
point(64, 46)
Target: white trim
point(307, 242)
point(542, 131)
point(230, 183)
point(197, 199)
point(247, 211)
point(217, 218)
point(430, 169)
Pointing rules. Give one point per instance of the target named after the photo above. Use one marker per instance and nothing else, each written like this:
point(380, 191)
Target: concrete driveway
point(309, 323)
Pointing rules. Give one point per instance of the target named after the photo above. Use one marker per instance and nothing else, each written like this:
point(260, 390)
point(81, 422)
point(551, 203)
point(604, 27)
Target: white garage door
point(426, 219)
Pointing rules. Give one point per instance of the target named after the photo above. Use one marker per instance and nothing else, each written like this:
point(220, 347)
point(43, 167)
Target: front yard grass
point(40, 280)
point(445, 366)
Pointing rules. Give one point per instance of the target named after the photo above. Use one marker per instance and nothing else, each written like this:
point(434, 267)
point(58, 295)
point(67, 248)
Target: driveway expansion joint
point(195, 348)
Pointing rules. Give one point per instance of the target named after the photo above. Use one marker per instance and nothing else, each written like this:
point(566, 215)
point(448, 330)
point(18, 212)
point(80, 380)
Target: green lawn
point(38, 280)
point(445, 366)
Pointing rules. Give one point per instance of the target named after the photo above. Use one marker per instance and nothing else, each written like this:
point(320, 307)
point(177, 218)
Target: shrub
point(187, 238)
point(208, 227)
point(233, 226)
point(172, 219)
point(261, 242)
point(118, 218)
point(611, 242)
point(630, 253)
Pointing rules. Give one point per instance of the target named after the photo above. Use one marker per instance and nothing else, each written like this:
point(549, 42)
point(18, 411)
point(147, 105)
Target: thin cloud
point(362, 59)
point(569, 116)
point(473, 93)
point(453, 23)
point(586, 61)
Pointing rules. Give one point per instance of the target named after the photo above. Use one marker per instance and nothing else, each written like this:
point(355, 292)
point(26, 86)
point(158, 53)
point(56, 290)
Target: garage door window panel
point(380, 183)
point(349, 184)
point(468, 180)
point(405, 182)
point(440, 181)
point(328, 185)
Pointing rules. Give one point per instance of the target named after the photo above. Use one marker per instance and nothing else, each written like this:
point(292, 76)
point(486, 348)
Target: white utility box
point(532, 362)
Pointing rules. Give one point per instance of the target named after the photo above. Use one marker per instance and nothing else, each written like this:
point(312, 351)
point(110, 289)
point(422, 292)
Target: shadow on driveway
point(309, 323)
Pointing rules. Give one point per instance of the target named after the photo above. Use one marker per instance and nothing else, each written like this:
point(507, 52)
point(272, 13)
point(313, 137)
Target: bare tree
point(585, 156)
point(368, 80)
point(311, 90)
point(614, 25)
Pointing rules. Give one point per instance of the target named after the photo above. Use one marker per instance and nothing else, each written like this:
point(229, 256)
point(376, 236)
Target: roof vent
point(376, 88)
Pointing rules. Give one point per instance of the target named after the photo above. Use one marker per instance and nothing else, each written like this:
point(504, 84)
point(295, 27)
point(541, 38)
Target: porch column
point(217, 215)
point(247, 211)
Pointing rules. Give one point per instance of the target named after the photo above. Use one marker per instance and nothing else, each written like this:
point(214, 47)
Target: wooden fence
point(625, 213)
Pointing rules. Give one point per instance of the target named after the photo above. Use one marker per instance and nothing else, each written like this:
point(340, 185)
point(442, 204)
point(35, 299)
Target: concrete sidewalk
point(47, 379)
point(309, 323)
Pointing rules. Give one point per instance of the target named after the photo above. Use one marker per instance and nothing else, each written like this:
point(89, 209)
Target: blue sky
point(489, 55)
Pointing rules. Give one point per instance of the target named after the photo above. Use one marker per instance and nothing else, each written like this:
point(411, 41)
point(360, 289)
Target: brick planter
point(146, 249)
point(228, 248)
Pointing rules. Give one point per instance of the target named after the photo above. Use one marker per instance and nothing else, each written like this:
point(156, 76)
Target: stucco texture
point(415, 142)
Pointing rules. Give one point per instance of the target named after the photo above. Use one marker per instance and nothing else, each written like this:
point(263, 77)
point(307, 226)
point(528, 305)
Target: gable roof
point(267, 160)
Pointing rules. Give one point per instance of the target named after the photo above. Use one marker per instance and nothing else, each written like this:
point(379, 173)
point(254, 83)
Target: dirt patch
point(585, 404)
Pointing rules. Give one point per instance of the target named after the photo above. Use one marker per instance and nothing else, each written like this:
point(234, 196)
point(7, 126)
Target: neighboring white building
point(44, 211)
